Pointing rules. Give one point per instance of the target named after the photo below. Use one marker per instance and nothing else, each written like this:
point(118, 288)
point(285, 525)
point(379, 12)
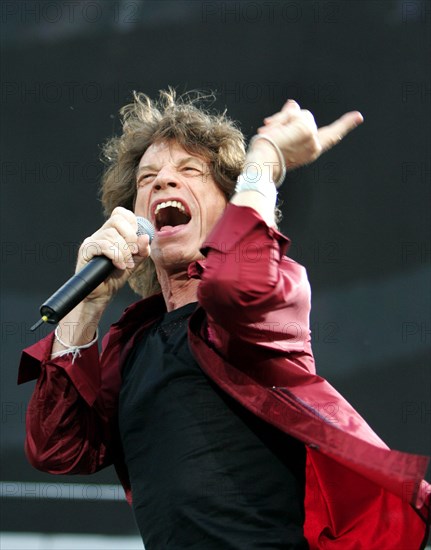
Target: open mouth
point(170, 214)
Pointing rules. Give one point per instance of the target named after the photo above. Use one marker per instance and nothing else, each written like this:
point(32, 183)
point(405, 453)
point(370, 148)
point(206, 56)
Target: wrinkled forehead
point(168, 152)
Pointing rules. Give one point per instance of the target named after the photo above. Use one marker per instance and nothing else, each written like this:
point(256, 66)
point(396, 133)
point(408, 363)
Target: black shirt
point(205, 472)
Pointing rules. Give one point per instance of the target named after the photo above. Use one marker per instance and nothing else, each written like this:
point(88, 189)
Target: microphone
point(83, 283)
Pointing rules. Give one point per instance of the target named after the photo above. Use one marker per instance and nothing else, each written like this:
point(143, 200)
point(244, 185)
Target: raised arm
point(249, 287)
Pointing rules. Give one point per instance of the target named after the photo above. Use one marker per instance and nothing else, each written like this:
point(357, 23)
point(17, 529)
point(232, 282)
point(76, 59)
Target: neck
point(177, 288)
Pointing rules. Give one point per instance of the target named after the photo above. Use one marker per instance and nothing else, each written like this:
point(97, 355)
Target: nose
point(165, 178)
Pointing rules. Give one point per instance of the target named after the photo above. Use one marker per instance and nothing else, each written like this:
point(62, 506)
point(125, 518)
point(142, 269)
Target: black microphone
point(82, 283)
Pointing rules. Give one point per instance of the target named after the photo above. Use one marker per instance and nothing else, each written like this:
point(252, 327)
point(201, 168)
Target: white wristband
point(253, 179)
point(73, 350)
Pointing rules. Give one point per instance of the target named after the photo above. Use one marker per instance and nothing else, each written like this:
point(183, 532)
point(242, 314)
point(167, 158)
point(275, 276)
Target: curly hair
point(185, 120)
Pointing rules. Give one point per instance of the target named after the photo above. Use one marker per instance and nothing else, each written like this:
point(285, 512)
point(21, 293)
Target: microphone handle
point(76, 289)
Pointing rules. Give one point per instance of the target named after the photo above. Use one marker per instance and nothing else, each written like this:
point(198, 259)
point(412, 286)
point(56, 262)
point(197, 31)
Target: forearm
point(262, 165)
point(66, 417)
point(243, 261)
point(64, 434)
point(79, 326)
point(249, 290)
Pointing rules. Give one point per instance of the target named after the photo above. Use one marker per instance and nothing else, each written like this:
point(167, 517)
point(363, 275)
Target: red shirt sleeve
point(250, 290)
point(71, 419)
point(67, 429)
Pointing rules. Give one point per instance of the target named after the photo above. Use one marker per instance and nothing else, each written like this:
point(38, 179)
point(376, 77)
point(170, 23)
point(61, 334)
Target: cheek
point(140, 207)
point(215, 212)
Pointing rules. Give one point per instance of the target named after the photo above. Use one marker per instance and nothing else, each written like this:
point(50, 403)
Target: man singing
point(205, 395)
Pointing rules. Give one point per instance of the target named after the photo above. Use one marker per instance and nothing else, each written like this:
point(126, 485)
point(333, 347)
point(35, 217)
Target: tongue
point(168, 227)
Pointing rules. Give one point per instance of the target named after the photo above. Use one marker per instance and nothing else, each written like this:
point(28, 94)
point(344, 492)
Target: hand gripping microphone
point(83, 283)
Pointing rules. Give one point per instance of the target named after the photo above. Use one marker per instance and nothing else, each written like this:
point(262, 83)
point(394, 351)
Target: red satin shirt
point(251, 336)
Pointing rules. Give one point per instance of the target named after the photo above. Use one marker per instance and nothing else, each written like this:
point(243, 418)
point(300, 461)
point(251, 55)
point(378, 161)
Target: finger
point(289, 108)
point(124, 244)
point(292, 111)
point(121, 229)
point(104, 245)
point(125, 226)
point(333, 133)
point(144, 249)
point(125, 213)
point(120, 213)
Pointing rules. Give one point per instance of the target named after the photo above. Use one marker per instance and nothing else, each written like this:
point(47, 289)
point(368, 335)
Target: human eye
point(146, 178)
point(190, 169)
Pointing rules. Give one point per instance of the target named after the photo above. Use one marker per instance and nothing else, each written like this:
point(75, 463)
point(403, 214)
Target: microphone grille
point(145, 227)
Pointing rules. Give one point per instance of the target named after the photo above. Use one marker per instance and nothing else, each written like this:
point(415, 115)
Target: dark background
point(358, 217)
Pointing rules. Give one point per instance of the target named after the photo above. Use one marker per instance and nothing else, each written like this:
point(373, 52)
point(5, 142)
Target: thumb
point(333, 133)
point(144, 248)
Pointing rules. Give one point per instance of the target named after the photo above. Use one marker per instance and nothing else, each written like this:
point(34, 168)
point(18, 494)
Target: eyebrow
point(141, 169)
point(153, 167)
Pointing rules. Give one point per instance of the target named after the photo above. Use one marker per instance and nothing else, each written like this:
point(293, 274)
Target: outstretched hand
point(296, 133)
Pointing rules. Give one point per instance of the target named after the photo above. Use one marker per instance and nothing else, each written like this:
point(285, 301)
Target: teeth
point(175, 204)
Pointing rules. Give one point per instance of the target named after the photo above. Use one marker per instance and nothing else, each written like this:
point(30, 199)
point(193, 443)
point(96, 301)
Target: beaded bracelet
point(75, 351)
point(279, 153)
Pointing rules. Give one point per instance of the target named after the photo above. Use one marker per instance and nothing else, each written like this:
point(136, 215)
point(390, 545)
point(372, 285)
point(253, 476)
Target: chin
point(173, 257)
